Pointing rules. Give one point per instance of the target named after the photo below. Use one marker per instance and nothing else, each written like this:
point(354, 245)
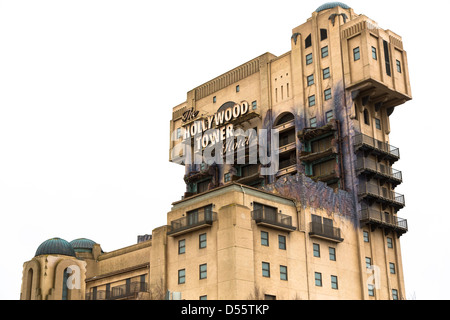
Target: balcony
point(122, 292)
point(373, 169)
point(270, 218)
point(376, 218)
point(193, 221)
point(372, 146)
point(326, 232)
point(384, 196)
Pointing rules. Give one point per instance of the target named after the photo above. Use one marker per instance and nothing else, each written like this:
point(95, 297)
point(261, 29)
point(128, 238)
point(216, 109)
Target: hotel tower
point(290, 183)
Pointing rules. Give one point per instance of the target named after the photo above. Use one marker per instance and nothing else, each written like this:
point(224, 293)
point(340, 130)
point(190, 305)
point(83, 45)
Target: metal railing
point(324, 230)
point(270, 216)
point(118, 292)
point(372, 165)
point(362, 139)
point(372, 215)
point(193, 219)
point(381, 192)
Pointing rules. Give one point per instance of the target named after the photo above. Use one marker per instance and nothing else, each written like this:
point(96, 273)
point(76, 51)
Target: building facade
point(290, 185)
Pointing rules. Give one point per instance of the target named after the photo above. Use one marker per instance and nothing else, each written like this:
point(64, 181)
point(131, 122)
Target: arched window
point(29, 284)
point(366, 117)
point(65, 290)
point(284, 119)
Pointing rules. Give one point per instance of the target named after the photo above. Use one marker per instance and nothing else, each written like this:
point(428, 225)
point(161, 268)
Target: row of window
point(390, 242)
point(201, 243)
point(357, 56)
point(369, 265)
point(329, 115)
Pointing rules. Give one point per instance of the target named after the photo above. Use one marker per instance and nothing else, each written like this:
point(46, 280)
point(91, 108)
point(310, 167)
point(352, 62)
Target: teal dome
point(55, 246)
point(331, 5)
point(82, 245)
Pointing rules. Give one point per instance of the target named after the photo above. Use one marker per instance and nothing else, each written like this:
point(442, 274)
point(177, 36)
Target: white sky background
point(86, 95)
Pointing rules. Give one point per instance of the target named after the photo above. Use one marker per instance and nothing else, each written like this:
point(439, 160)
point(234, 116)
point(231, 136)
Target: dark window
point(366, 117)
point(181, 246)
point(281, 242)
point(283, 273)
point(316, 250)
point(203, 271)
point(264, 238)
point(323, 34)
point(269, 297)
point(308, 42)
point(309, 59)
point(332, 254)
point(325, 52)
point(399, 66)
point(181, 276)
point(328, 95)
point(266, 269)
point(310, 80)
point(203, 186)
point(387, 58)
point(318, 279)
point(374, 53)
point(285, 119)
point(202, 241)
point(378, 124)
point(334, 282)
point(326, 73)
point(356, 54)
point(312, 100)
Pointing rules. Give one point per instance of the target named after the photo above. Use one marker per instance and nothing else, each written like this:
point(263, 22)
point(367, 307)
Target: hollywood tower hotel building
point(314, 215)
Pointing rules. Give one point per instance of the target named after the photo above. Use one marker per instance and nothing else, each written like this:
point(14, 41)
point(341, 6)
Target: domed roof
point(331, 5)
point(82, 245)
point(55, 246)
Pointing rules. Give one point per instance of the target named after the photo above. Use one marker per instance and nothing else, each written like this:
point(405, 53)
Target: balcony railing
point(320, 230)
point(379, 170)
point(362, 141)
point(124, 291)
point(382, 194)
point(192, 221)
point(382, 219)
point(273, 219)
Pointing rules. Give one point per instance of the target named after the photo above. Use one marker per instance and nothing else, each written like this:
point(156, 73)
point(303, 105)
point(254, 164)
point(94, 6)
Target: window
point(374, 53)
point(281, 242)
point(203, 297)
point(312, 100)
point(356, 54)
point(254, 105)
point(202, 241)
point(328, 95)
point(181, 246)
point(368, 263)
point(323, 34)
point(392, 267)
point(387, 58)
point(238, 88)
point(318, 279)
point(270, 297)
point(181, 276)
point(309, 59)
point(316, 250)
point(371, 290)
point(332, 254)
point(264, 238)
point(366, 117)
point(325, 52)
point(310, 80)
point(227, 177)
point(203, 271)
point(334, 282)
point(313, 122)
point(390, 244)
point(394, 294)
point(366, 236)
point(214, 99)
point(308, 42)
point(266, 269)
point(326, 73)
point(399, 66)
point(178, 133)
point(283, 273)
point(378, 124)
point(329, 115)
